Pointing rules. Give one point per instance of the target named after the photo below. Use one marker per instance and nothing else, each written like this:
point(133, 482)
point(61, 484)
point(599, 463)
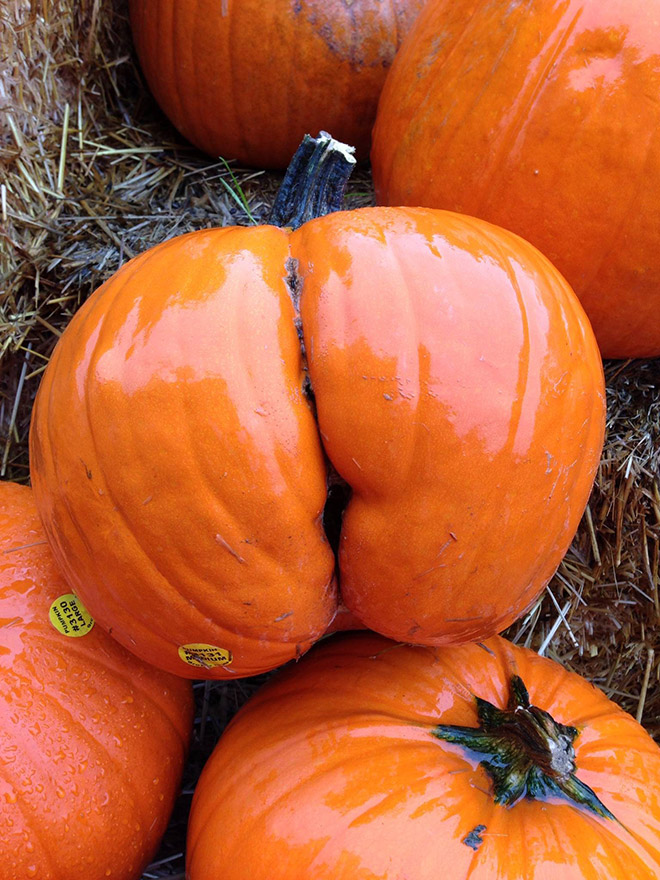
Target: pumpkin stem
point(526, 753)
point(315, 181)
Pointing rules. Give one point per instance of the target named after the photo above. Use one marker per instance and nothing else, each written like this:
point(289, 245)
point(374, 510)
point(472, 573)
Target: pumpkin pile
point(386, 419)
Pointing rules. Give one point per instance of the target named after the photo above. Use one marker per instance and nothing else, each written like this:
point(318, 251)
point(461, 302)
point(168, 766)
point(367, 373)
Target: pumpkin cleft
point(339, 494)
point(526, 753)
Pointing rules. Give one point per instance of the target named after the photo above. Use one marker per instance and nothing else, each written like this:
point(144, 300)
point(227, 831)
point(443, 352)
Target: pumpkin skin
point(92, 740)
point(245, 80)
point(332, 771)
point(537, 117)
point(179, 468)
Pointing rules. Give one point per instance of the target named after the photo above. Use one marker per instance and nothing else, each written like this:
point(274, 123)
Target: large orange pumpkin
point(180, 464)
point(544, 119)
point(373, 759)
point(92, 740)
point(246, 79)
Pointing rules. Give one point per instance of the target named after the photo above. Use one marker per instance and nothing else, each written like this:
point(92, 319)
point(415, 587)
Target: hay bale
point(93, 173)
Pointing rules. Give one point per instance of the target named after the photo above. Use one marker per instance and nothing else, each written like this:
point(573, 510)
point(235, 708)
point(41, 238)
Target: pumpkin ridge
point(313, 776)
point(35, 829)
point(133, 684)
point(611, 843)
point(89, 738)
point(617, 231)
point(130, 534)
point(525, 99)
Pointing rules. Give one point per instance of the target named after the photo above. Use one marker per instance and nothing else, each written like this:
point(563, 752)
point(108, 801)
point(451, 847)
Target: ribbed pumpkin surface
point(246, 79)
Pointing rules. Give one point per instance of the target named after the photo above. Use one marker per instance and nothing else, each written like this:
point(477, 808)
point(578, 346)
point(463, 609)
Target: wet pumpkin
point(92, 740)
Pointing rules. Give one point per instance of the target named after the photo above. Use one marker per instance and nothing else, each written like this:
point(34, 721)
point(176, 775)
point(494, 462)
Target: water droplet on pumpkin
point(29, 846)
point(59, 791)
point(31, 870)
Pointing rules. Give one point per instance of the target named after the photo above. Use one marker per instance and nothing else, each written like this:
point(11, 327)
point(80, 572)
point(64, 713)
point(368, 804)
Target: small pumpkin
point(540, 117)
point(182, 431)
point(373, 759)
point(246, 79)
point(92, 740)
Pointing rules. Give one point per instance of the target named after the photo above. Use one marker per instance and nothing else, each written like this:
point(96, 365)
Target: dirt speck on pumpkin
point(474, 838)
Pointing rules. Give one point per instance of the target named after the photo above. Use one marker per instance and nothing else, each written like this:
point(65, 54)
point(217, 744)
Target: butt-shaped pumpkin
point(92, 740)
point(372, 759)
point(198, 405)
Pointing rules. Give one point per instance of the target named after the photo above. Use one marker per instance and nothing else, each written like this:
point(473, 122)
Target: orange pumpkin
point(180, 464)
point(542, 118)
point(92, 741)
point(373, 759)
point(246, 79)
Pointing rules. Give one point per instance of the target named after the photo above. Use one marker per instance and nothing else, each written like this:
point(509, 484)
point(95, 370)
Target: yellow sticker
point(70, 617)
point(204, 656)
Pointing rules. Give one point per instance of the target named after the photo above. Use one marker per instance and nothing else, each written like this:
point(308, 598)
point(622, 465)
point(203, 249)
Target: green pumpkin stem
point(526, 753)
point(315, 181)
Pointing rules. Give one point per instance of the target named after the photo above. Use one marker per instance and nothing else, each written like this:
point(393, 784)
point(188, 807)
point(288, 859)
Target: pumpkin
point(182, 432)
point(92, 740)
point(540, 117)
point(373, 759)
point(246, 79)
